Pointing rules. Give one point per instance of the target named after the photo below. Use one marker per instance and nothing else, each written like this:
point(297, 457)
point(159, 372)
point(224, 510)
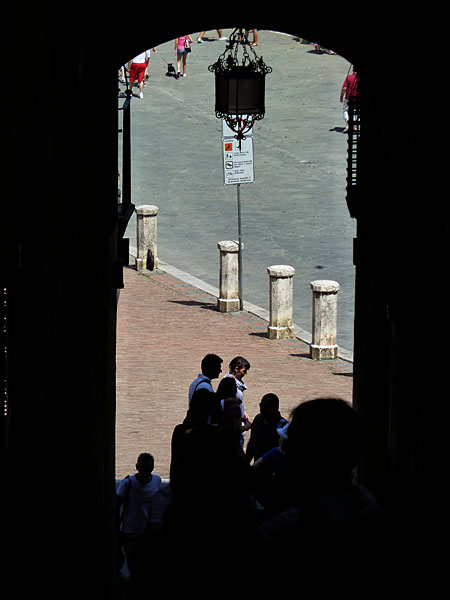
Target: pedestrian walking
point(255, 36)
point(137, 67)
point(149, 51)
point(182, 49)
point(349, 92)
point(222, 38)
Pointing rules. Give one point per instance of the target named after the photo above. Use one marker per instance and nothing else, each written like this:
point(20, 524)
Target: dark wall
point(58, 253)
point(59, 267)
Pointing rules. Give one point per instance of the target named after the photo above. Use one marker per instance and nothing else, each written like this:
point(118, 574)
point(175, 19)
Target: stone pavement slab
point(165, 326)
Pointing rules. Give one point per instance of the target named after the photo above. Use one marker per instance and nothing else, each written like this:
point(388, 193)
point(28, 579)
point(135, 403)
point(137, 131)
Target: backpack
point(120, 556)
point(125, 500)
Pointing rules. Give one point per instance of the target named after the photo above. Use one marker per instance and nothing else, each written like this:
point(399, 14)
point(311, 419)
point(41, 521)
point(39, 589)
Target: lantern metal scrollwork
point(240, 85)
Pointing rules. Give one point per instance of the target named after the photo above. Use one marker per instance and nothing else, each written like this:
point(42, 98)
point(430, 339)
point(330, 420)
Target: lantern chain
point(227, 64)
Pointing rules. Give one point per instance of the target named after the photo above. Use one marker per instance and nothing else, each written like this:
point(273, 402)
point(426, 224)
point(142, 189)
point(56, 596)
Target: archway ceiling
point(321, 26)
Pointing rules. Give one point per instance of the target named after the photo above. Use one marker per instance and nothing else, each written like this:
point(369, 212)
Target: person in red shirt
point(349, 92)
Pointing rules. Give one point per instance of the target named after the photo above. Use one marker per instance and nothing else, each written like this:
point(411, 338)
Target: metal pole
point(241, 299)
point(126, 154)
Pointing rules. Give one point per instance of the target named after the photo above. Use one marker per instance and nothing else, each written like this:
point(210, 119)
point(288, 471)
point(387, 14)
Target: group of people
point(183, 47)
point(290, 495)
point(137, 67)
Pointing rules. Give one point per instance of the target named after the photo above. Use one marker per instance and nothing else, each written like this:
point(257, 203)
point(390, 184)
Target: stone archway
point(59, 261)
point(395, 168)
point(296, 208)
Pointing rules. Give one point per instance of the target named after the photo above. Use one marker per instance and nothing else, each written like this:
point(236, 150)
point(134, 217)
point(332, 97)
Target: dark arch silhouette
point(60, 271)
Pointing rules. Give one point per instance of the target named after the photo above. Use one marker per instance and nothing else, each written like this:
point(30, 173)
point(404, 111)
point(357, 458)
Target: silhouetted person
point(270, 480)
point(333, 524)
point(209, 514)
point(264, 434)
point(232, 420)
point(211, 367)
point(134, 495)
point(148, 554)
point(190, 433)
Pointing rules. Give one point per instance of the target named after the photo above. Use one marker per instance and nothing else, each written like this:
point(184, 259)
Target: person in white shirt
point(134, 496)
point(238, 368)
point(137, 68)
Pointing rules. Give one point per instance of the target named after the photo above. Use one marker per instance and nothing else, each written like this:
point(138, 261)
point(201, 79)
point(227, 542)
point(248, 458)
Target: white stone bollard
point(146, 237)
point(228, 300)
point(324, 319)
point(281, 301)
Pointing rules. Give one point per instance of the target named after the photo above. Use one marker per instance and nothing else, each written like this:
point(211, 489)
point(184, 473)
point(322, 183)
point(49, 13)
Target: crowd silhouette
point(291, 501)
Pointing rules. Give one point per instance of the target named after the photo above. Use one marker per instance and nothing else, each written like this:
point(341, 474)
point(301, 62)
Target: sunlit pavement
point(294, 213)
point(165, 327)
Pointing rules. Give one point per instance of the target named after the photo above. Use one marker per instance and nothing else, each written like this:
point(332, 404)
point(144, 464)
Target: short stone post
point(281, 301)
point(324, 319)
point(228, 300)
point(146, 237)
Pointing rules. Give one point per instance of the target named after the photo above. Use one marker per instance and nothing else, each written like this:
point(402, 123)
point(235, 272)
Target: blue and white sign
point(237, 157)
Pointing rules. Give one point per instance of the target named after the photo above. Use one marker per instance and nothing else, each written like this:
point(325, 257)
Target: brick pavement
point(165, 327)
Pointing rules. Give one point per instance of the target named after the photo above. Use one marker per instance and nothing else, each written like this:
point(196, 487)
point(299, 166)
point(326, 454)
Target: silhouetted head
point(269, 405)
point(201, 407)
point(144, 466)
point(324, 443)
point(212, 366)
point(227, 388)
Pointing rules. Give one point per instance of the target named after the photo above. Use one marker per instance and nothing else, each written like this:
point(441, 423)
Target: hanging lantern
point(240, 85)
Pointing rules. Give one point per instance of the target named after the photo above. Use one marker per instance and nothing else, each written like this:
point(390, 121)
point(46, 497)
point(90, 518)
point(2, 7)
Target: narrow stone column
point(281, 301)
point(228, 300)
point(146, 237)
point(324, 318)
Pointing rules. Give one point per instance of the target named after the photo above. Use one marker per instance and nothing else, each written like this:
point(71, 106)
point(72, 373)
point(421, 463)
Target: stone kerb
point(228, 300)
point(324, 319)
point(146, 237)
point(281, 302)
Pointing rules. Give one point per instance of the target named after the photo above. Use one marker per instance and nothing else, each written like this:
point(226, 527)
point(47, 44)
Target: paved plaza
point(165, 327)
point(295, 213)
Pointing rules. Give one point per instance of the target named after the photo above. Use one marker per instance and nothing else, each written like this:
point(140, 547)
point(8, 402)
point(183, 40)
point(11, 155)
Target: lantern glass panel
point(240, 95)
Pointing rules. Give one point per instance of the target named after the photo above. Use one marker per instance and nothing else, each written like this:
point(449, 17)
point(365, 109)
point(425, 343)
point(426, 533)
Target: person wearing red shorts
point(137, 67)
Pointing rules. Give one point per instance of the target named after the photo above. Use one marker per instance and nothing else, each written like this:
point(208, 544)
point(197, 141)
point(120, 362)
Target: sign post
point(237, 168)
point(241, 291)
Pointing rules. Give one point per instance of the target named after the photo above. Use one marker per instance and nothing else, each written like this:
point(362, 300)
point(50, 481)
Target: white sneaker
point(223, 39)
point(199, 40)
point(141, 95)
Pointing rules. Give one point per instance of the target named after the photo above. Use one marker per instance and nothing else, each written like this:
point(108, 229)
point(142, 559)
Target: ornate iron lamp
point(240, 85)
